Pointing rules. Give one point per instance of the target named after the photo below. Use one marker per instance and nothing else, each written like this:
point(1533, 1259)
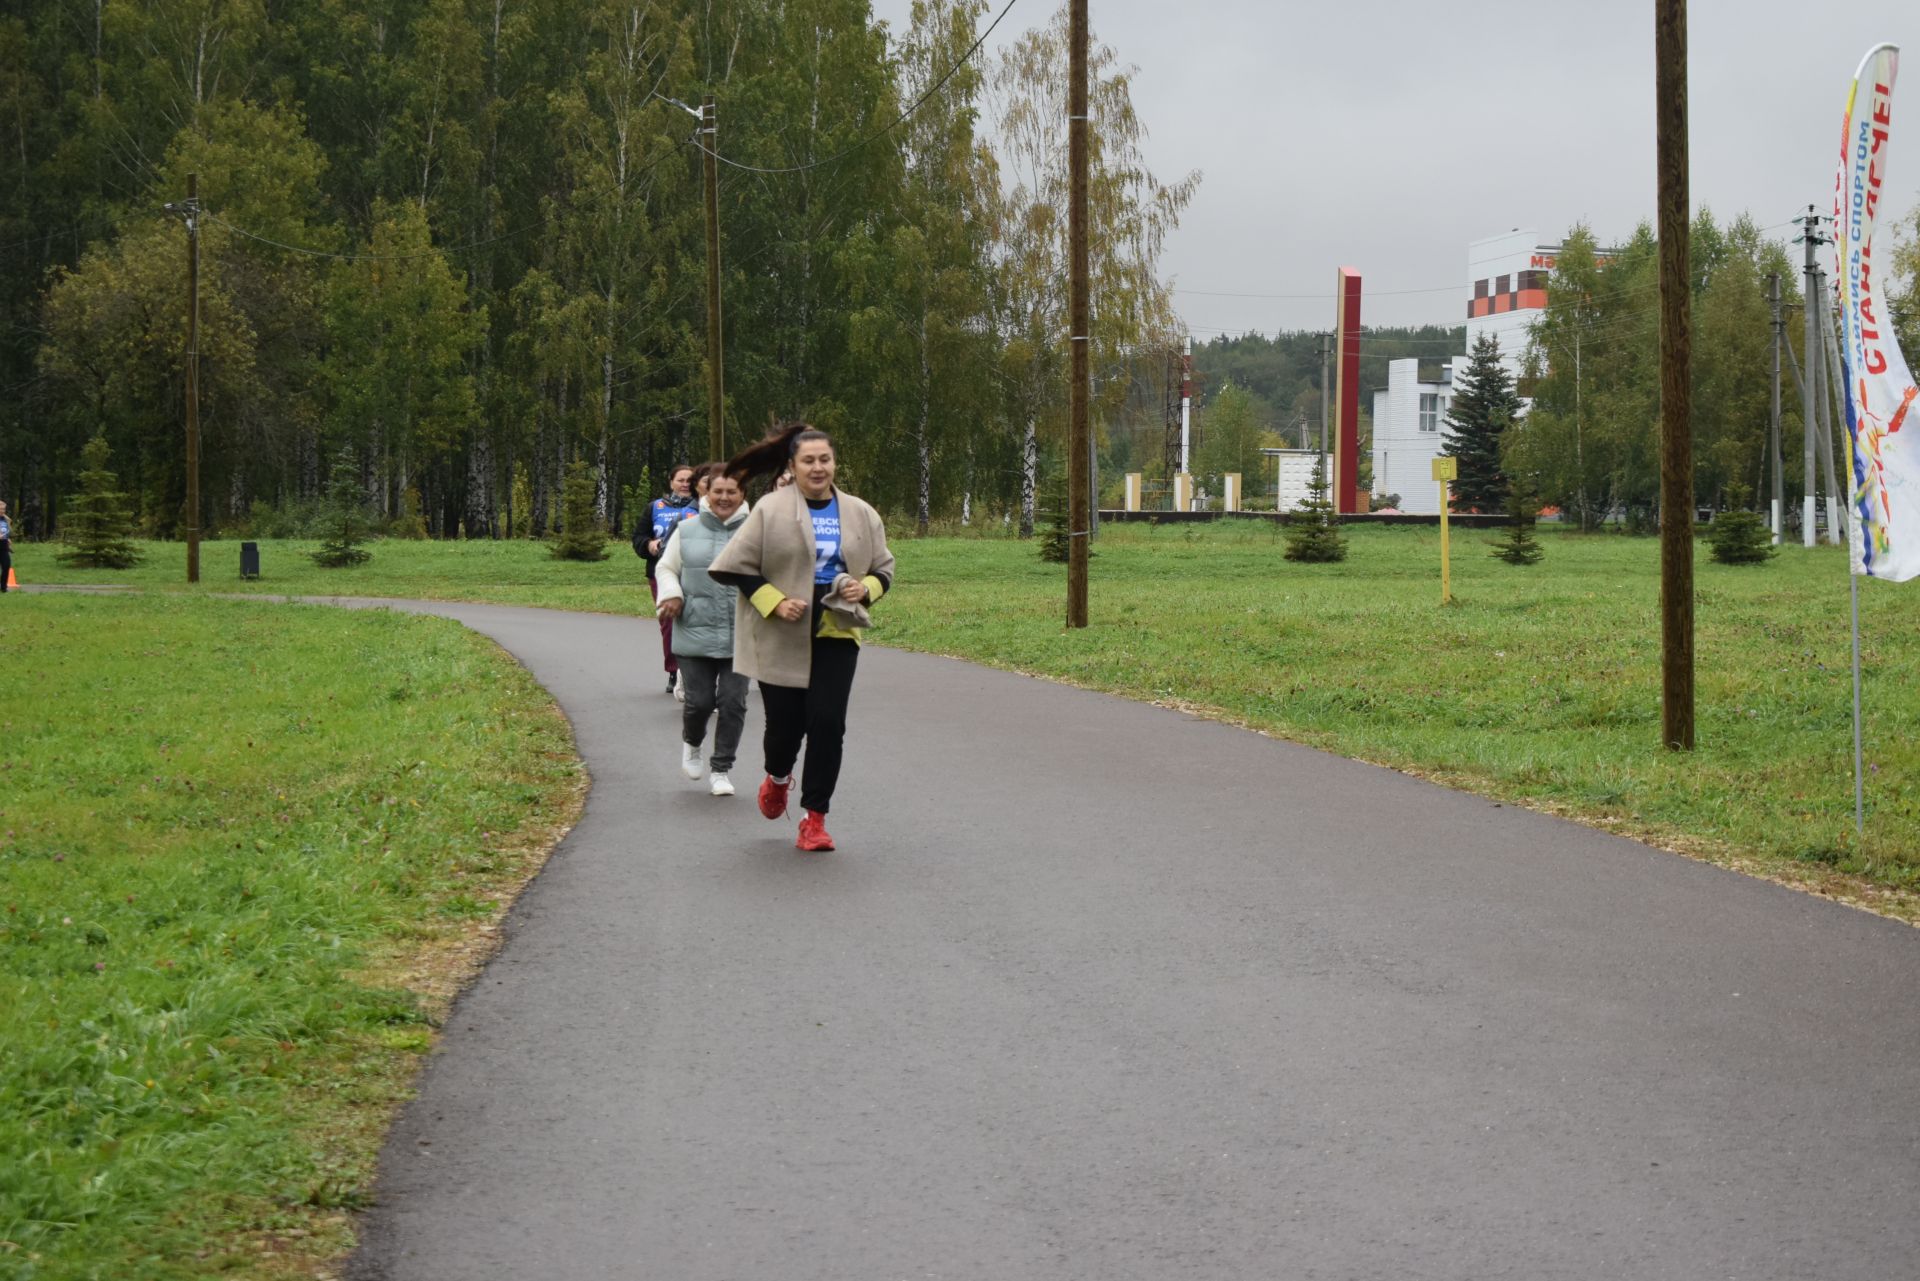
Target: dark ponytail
point(770, 457)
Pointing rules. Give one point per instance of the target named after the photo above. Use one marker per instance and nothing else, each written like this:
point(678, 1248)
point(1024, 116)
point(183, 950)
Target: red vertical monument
point(1346, 494)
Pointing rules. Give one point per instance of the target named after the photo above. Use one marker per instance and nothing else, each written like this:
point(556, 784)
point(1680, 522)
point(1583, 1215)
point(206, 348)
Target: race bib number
point(826, 545)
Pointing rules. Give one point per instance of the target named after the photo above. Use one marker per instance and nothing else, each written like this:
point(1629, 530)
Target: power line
point(358, 257)
point(1627, 324)
point(919, 102)
point(1370, 293)
point(1402, 293)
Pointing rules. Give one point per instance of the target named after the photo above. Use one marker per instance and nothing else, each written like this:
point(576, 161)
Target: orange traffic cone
point(11, 581)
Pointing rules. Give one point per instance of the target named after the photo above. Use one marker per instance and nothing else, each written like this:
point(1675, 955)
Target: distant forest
point(1284, 371)
point(450, 248)
point(1255, 391)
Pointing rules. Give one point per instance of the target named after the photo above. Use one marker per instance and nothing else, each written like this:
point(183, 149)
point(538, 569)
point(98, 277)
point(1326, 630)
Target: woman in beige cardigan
point(808, 562)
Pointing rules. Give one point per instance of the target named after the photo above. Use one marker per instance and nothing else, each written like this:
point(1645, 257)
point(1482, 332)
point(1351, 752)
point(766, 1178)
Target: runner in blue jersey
point(650, 538)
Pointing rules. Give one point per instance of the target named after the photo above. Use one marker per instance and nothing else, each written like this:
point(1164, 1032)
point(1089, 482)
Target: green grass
point(1539, 684)
point(519, 572)
point(225, 832)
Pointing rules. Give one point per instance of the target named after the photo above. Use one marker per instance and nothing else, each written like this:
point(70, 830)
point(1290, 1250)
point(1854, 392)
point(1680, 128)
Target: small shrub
point(1313, 530)
point(1517, 545)
point(409, 521)
point(292, 518)
point(520, 504)
point(345, 525)
point(580, 536)
point(1738, 536)
point(1054, 541)
point(98, 522)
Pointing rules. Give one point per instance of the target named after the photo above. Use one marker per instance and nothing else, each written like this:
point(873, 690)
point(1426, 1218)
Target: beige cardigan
point(776, 544)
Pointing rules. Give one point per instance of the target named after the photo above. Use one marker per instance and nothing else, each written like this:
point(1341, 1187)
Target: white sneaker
point(720, 784)
point(690, 760)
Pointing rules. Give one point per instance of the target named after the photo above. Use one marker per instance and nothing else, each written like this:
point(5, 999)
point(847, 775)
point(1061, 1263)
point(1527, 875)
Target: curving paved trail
point(1097, 990)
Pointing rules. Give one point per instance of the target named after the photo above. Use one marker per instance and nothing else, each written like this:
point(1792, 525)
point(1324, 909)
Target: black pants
point(710, 684)
point(6, 561)
point(817, 714)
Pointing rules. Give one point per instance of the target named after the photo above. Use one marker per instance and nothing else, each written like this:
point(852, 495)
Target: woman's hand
point(670, 607)
point(790, 610)
point(653, 547)
point(854, 593)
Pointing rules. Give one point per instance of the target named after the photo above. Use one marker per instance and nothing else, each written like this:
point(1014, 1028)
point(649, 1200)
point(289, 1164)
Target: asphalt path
point(1098, 990)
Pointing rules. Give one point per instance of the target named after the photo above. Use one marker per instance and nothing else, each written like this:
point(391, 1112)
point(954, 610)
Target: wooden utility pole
point(1079, 477)
point(1676, 340)
point(716, 387)
point(193, 377)
point(1778, 521)
point(1809, 387)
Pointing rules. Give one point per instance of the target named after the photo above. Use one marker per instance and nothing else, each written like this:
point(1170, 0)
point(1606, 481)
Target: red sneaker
point(773, 797)
point(813, 833)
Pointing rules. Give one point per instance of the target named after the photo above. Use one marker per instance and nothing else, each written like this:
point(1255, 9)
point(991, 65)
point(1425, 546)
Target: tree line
point(462, 242)
point(1257, 391)
point(1579, 429)
point(1589, 443)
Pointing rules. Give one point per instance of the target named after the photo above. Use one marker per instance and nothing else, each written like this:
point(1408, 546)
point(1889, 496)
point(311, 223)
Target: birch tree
point(399, 333)
point(625, 158)
point(924, 326)
point(1130, 213)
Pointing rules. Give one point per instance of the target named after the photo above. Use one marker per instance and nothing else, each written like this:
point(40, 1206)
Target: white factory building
point(1508, 292)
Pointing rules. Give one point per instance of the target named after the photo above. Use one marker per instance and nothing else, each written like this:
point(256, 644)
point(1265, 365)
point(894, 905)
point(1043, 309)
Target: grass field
point(505, 573)
point(246, 853)
point(1538, 684)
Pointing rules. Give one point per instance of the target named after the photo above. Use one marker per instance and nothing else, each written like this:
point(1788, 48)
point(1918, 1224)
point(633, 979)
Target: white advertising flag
point(1883, 420)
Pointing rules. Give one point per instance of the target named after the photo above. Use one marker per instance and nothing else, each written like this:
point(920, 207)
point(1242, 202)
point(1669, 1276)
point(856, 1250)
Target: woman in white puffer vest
point(702, 614)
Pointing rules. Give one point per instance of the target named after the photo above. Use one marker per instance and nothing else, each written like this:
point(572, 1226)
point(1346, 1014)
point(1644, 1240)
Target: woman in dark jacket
point(650, 539)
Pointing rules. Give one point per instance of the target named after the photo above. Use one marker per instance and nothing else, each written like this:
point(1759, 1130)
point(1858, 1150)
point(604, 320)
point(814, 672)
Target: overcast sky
point(1387, 135)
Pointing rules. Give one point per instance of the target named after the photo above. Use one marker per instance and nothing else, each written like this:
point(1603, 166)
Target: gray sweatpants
point(710, 685)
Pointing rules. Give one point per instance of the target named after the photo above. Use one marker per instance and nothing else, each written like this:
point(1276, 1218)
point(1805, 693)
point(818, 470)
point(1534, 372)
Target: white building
point(1507, 293)
point(1509, 275)
point(1290, 476)
point(1408, 425)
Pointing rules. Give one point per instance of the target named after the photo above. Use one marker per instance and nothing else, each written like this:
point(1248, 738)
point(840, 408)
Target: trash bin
point(249, 560)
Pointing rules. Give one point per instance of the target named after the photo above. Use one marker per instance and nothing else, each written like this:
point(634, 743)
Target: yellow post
point(1444, 470)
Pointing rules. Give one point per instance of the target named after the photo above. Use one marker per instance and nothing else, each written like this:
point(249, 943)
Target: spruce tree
point(345, 519)
point(1739, 536)
point(1517, 545)
point(1484, 405)
point(580, 536)
point(1313, 531)
point(98, 523)
point(1055, 541)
